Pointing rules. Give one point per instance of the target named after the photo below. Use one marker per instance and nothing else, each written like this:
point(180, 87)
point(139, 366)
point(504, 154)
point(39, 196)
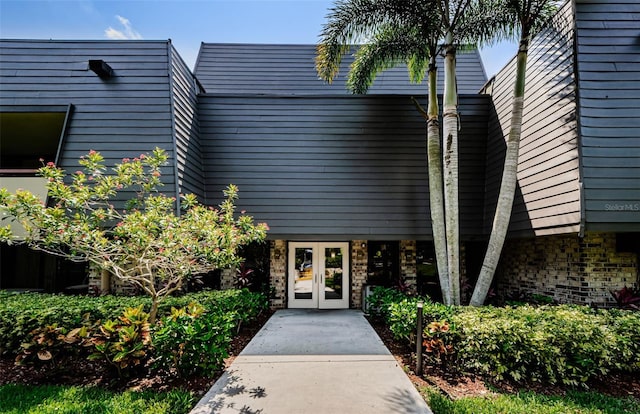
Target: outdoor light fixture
point(419, 338)
point(101, 68)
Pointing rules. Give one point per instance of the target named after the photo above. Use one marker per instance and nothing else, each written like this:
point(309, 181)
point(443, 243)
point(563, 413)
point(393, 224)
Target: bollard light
point(419, 339)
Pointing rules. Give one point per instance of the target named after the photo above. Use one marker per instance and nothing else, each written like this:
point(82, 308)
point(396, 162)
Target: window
point(427, 281)
point(28, 134)
point(628, 242)
point(384, 263)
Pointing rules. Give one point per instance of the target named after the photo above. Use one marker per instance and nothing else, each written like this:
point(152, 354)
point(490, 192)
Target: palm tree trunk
point(434, 160)
point(508, 186)
point(450, 164)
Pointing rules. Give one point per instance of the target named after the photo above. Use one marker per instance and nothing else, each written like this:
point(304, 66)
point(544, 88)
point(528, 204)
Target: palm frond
point(358, 21)
point(486, 22)
point(389, 48)
point(543, 10)
point(418, 63)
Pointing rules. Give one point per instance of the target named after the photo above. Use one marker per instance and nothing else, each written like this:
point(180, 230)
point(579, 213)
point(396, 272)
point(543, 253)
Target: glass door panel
point(332, 273)
point(303, 275)
point(303, 279)
point(334, 280)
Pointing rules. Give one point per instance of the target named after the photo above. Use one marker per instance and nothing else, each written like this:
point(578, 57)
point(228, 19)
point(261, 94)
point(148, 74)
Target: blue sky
point(185, 22)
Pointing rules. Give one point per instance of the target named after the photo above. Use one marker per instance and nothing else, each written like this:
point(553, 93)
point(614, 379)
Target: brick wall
point(278, 273)
point(228, 278)
point(103, 282)
point(95, 279)
point(567, 268)
point(408, 268)
point(359, 258)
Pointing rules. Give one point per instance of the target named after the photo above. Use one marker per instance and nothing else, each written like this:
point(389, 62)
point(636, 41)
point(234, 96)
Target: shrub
point(45, 343)
point(380, 300)
point(22, 313)
point(193, 341)
point(439, 339)
point(567, 344)
point(123, 342)
point(625, 326)
point(627, 298)
point(402, 319)
point(498, 342)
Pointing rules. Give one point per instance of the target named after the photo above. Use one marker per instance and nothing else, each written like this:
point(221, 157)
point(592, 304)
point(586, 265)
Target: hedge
point(21, 313)
point(565, 343)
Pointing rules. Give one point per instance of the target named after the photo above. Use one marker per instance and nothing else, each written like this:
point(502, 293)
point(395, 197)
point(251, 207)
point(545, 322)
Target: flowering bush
point(146, 243)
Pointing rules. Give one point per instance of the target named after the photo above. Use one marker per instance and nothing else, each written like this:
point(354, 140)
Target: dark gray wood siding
point(290, 70)
point(123, 116)
point(335, 167)
point(185, 91)
point(608, 63)
point(548, 194)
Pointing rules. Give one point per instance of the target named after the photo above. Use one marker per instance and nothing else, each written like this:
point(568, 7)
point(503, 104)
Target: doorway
point(318, 275)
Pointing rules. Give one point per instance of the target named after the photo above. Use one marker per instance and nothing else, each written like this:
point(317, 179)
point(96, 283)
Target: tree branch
point(420, 109)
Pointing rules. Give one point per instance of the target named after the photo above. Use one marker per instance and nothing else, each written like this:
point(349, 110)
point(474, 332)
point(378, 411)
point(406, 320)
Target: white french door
point(318, 275)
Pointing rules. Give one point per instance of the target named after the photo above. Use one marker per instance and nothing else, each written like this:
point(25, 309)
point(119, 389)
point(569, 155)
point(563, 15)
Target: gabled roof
point(290, 70)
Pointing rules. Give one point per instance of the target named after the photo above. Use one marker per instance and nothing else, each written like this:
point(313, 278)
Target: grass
point(46, 399)
point(574, 402)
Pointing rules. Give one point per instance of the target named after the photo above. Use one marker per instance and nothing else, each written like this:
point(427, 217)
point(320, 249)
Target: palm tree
point(395, 31)
point(528, 16)
point(453, 15)
point(392, 32)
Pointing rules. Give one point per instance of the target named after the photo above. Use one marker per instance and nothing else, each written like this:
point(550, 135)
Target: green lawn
point(23, 399)
point(531, 403)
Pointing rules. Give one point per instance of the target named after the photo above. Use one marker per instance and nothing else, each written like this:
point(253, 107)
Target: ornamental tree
point(144, 242)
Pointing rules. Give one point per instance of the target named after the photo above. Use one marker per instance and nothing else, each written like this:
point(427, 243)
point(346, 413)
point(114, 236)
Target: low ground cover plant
point(15, 399)
point(573, 402)
point(192, 336)
point(550, 344)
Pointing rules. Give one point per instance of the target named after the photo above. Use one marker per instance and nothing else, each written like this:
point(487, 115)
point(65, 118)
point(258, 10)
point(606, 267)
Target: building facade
point(342, 179)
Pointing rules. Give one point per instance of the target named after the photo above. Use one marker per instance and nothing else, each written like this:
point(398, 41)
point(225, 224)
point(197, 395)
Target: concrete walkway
point(313, 362)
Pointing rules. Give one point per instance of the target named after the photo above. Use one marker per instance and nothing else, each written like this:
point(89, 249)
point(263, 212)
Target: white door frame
point(319, 299)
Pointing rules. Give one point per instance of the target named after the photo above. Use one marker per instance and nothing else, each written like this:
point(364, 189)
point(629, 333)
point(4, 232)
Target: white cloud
point(127, 31)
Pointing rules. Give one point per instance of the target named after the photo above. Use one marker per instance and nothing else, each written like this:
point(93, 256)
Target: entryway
point(314, 361)
point(318, 275)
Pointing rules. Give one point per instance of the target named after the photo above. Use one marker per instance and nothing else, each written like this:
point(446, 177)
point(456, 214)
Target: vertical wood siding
point(123, 116)
point(548, 193)
point(339, 167)
point(185, 118)
point(290, 70)
point(608, 44)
